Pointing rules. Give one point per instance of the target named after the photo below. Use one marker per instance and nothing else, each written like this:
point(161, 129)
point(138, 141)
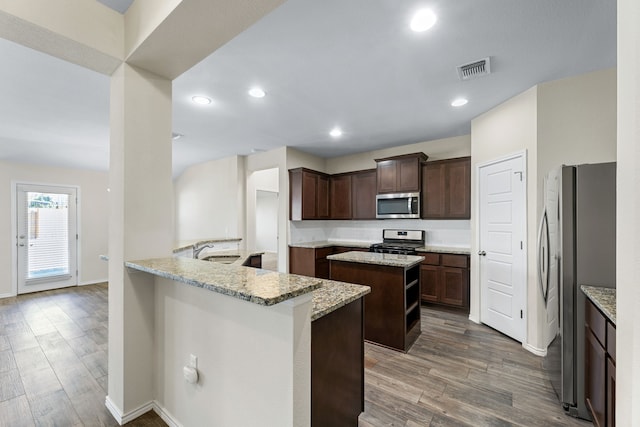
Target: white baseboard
point(93, 282)
point(132, 415)
point(7, 295)
point(535, 350)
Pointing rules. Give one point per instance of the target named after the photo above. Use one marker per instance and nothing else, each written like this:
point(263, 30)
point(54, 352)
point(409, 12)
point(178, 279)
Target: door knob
point(482, 253)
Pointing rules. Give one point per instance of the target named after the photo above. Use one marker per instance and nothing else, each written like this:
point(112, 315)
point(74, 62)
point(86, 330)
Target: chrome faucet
point(196, 252)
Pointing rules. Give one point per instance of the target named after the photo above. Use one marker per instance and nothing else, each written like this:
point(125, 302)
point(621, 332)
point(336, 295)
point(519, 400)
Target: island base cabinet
point(337, 367)
point(392, 309)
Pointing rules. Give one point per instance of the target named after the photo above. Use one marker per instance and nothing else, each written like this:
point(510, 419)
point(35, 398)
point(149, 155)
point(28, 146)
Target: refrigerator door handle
point(543, 257)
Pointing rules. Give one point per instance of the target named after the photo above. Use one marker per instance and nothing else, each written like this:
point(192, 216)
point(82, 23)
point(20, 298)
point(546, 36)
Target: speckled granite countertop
point(326, 243)
point(192, 244)
point(332, 295)
point(461, 250)
point(391, 260)
point(603, 298)
point(249, 284)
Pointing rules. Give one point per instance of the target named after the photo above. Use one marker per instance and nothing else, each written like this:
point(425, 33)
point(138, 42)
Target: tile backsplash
point(438, 232)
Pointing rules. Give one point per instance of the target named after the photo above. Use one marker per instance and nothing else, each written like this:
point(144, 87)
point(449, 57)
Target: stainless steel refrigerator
point(576, 246)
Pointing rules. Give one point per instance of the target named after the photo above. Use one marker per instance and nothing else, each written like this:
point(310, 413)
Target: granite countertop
point(192, 244)
point(461, 250)
point(333, 295)
point(603, 298)
point(392, 260)
point(249, 284)
point(328, 243)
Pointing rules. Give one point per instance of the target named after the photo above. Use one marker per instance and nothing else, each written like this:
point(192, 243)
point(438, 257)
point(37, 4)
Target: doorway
point(265, 187)
point(502, 245)
point(46, 236)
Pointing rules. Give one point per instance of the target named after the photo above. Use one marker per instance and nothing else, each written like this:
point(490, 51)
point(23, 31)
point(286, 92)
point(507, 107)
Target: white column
point(628, 216)
point(140, 226)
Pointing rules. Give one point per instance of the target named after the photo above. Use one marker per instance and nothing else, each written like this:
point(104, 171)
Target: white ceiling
point(353, 64)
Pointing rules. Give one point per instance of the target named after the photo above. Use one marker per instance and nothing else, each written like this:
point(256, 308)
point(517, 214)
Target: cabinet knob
point(482, 253)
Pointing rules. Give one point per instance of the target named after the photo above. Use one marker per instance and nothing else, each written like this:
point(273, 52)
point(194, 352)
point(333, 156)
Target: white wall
point(567, 121)
point(628, 216)
point(210, 200)
point(93, 211)
point(267, 221)
point(247, 353)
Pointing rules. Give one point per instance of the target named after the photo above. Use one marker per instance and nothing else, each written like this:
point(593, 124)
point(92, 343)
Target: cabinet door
point(364, 195)
point(302, 261)
point(430, 283)
point(322, 196)
point(386, 176)
point(433, 195)
point(595, 377)
point(340, 196)
point(455, 286)
point(408, 175)
point(611, 393)
point(309, 195)
point(458, 188)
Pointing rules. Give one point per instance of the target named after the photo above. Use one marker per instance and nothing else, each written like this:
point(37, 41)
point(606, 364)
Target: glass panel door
point(47, 237)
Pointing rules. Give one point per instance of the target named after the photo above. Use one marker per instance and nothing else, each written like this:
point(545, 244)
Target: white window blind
point(47, 235)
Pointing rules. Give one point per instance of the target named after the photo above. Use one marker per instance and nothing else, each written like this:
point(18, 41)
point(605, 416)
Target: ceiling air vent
point(474, 69)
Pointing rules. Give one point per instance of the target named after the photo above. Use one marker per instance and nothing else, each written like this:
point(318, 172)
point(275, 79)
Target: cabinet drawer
point(430, 258)
point(460, 261)
point(596, 322)
point(611, 341)
point(323, 252)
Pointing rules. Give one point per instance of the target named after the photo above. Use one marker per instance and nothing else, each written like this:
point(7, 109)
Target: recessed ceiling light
point(459, 102)
point(336, 132)
point(257, 92)
point(423, 20)
point(201, 100)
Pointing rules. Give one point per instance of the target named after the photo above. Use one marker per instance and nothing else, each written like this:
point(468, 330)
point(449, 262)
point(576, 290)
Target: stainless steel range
point(403, 242)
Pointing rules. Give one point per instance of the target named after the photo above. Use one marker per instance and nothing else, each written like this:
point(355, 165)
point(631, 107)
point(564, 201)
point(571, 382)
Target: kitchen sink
point(222, 259)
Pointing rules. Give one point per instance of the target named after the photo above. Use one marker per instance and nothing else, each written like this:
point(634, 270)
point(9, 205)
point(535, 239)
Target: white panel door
point(502, 253)
point(46, 235)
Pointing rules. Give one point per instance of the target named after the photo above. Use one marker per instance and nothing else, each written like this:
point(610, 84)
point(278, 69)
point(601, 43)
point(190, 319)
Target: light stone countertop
point(603, 298)
point(192, 244)
point(328, 243)
point(249, 284)
point(333, 295)
point(460, 250)
point(392, 260)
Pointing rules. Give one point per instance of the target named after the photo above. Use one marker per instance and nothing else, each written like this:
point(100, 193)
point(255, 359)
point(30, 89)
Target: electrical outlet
point(193, 361)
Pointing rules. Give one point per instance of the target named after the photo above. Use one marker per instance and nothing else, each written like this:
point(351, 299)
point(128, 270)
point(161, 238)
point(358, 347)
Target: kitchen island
point(335, 327)
point(392, 315)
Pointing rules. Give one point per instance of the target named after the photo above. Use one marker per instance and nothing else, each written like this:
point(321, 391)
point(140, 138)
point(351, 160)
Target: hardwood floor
point(53, 371)
point(53, 360)
point(458, 373)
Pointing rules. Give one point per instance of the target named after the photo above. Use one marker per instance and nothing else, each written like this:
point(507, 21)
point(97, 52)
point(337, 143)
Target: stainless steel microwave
point(398, 205)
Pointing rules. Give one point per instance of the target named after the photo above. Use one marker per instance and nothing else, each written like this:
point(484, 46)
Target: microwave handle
point(409, 204)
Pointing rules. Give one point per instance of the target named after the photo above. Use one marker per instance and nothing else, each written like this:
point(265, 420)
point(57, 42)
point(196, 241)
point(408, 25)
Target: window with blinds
point(47, 220)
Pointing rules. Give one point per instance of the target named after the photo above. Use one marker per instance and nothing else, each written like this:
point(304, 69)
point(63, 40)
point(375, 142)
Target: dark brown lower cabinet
point(337, 367)
point(600, 366)
point(595, 381)
point(254, 261)
point(445, 279)
point(313, 262)
point(392, 314)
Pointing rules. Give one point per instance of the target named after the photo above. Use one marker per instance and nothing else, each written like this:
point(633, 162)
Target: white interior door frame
point(525, 274)
point(14, 228)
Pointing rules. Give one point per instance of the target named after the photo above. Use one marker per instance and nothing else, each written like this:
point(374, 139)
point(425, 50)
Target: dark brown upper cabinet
point(308, 194)
point(400, 174)
point(447, 189)
point(363, 194)
point(340, 196)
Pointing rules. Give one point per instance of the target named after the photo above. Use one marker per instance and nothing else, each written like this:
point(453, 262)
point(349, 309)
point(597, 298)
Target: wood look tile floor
point(459, 373)
point(53, 360)
point(53, 371)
